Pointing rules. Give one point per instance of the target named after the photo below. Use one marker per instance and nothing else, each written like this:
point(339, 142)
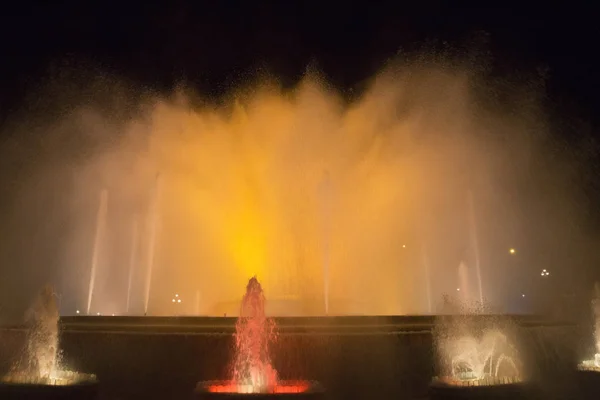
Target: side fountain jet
point(39, 373)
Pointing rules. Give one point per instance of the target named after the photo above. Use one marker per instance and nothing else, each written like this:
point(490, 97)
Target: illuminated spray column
point(325, 197)
point(132, 260)
point(100, 226)
point(475, 243)
point(153, 226)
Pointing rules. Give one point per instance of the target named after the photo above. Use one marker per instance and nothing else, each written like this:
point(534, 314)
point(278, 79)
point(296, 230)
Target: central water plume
point(252, 370)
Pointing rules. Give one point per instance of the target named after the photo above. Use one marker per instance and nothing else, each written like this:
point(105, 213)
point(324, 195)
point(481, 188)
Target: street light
point(512, 251)
point(545, 273)
point(176, 299)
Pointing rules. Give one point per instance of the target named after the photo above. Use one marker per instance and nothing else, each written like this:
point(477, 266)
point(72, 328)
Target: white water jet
point(463, 284)
point(153, 215)
point(325, 197)
point(132, 260)
point(475, 244)
point(427, 278)
point(594, 363)
point(100, 225)
point(473, 359)
point(40, 362)
point(197, 311)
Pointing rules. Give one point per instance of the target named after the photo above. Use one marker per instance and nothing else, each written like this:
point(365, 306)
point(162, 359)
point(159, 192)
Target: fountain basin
point(299, 390)
point(484, 388)
point(65, 385)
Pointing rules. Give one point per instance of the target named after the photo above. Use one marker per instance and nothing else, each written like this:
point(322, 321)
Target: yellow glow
point(242, 194)
point(245, 237)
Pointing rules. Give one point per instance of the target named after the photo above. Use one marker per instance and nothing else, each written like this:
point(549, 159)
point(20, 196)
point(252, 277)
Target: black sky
point(214, 44)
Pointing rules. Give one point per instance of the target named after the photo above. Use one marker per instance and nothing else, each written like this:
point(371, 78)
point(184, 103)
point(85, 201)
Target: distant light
point(97, 313)
point(173, 300)
point(545, 273)
point(458, 289)
point(512, 251)
point(113, 315)
point(403, 246)
point(523, 295)
point(176, 295)
point(179, 300)
point(77, 312)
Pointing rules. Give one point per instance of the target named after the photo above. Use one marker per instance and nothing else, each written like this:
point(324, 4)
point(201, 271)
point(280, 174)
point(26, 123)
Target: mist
point(291, 185)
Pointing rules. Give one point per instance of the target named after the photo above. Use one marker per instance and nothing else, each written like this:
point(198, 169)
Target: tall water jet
point(463, 284)
point(325, 200)
point(197, 309)
point(427, 278)
point(39, 373)
point(252, 371)
point(475, 243)
point(100, 226)
point(132, 261)
point(153, 215)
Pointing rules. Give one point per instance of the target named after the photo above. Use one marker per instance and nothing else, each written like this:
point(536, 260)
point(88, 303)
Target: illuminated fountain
point(593, 365)
point(588, 376)
point(476, 362)
point(39, 373)
point(253, 373)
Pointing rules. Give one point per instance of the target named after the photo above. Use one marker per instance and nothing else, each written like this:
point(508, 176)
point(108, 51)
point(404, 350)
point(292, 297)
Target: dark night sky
point(213, 44)
point(216, 45)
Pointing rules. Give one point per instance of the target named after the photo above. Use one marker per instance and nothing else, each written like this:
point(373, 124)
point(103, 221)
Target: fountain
point(100, 226)
point(463, 283)
point(475, 243)
point(593, 365)
point(39, 373)
point(589, 370)
point(132, 262)
point(152, 242)
point(427, 279)
point(478, 361)
point(253, 374)
point(325, 195)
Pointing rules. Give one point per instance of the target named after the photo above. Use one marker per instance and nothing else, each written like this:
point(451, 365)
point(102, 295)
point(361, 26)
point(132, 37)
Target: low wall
point(353, 357)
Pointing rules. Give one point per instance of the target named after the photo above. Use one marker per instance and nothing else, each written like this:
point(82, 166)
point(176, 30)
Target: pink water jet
point(253, 333)
point(252, 369)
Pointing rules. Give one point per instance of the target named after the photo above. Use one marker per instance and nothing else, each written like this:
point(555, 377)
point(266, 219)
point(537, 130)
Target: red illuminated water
point(253, 333)
point(282, 387)
point(252, 369)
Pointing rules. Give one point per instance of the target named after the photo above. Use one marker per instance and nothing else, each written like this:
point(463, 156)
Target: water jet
point(588, 371)
point(39, 373)
point(253, 375)
point(479, 362)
